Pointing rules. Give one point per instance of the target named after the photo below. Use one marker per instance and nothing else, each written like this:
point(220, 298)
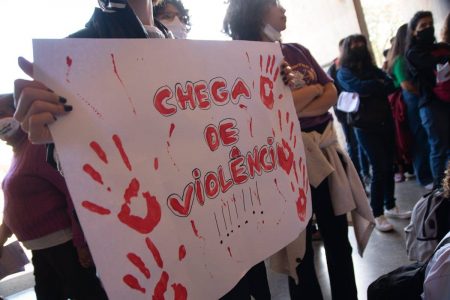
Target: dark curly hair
point(446, 182)
point(244, 19)
point(158, 10)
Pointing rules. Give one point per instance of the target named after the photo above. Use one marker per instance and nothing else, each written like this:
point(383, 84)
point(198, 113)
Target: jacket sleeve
point(350, 83)
point(421, 59)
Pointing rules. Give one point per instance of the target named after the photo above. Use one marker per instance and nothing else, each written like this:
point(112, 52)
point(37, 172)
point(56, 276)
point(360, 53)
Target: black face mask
point(426, 36)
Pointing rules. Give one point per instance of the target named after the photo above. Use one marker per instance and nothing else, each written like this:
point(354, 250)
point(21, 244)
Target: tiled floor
point(385, 252)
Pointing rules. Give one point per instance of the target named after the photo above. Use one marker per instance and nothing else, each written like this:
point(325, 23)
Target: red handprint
point(142, 225)
point(267, 79)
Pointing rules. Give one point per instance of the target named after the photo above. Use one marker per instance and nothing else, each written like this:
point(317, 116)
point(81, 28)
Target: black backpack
point(405, 282)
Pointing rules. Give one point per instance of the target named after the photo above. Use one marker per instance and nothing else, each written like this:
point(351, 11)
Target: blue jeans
point(378, 144)
point(435, 118)
point(420, 149)
point(355, 151)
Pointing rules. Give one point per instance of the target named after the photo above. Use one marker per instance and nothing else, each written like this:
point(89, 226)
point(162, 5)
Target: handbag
point(348, 102)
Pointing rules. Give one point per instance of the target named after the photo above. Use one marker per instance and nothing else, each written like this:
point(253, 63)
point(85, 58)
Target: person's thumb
point(26, 66)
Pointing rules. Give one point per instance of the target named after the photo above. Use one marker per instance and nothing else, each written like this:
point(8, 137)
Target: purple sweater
point(37, 201)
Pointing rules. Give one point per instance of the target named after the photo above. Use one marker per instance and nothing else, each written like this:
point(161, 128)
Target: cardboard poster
point(184, 159)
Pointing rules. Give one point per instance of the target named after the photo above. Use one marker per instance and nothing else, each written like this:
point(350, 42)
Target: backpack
point(405, 282)
point(429, 224)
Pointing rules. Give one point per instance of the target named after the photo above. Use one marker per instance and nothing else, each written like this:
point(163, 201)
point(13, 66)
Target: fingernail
point(68, 107)
point(62, 100)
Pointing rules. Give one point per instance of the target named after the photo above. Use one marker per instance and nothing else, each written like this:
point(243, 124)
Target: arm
point(409, 87)
point(321, 104)
point(422, 59)
point(5, 233)
point(304, 96)
point(350, 83)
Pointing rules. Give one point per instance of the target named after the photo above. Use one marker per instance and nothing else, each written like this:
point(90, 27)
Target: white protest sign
point(184, 159)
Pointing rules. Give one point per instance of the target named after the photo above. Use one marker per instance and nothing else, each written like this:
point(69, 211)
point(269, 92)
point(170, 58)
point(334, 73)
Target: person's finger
point(31, 94)
point(20, 84)
point(26, 66)
point(40, 133)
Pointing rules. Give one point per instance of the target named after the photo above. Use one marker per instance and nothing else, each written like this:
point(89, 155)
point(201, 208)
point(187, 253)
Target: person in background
point(373, 124)
point(423, 55)
point(446, 30)
point(314, 94)
point(174, 16)
point(39, 211)
point(354, 150)
point(398, 69)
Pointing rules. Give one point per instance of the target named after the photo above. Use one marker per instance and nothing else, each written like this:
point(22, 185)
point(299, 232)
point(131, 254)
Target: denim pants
point(355, 151)
point(334, 232)
point(420, 148)
point(378, 144)
point(435, 117)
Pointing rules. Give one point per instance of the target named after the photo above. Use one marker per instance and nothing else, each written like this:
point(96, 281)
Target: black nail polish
point(68, 107)
point(62, 100)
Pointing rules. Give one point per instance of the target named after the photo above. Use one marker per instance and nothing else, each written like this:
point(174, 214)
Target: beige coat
point(346, 190)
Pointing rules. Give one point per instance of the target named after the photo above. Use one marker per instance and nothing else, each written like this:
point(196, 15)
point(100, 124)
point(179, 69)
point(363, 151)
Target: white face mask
point(8, 126)
point(273, 34)
point(177, 27)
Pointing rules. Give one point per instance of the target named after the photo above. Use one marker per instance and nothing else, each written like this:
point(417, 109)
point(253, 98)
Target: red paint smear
point(248, 57)
point(295, 141)
point(161, 287)
point(284, 161)
point(229, 252)
point(268, 63)
point(242, 106)
point(276, 74)
point(69, 65)
point(143, 225)
point(287, 117)
point(279, 191)
point(95, 208)
point(172, 127)
point(156, 163)
point(91, 106)
point(170, 156)
point(279, 120)
point(261, 62)
point(195, 230)
point(133, 283)
point(179, 291)
point(155, 252)
point(273, 64)
point(93, 173)
point(273, 132)
point(301, 205)
point(122, 152)
point(181, 252)
point(137, 261)
point(108, 189)
point(292, 187)
point(69, 61)
point(251, 127)
point(121, 82)
point(291, 130)
point(99, 151)
point(295, 172)
point(280, 97)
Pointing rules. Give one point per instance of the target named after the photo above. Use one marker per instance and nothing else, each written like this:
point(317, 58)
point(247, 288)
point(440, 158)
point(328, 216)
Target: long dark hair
point(399, 47)
point(412, 25)
point(244, 19)
point(349, 60)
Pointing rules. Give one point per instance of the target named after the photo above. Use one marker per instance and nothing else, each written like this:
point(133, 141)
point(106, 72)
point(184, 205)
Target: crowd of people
point(375, 135)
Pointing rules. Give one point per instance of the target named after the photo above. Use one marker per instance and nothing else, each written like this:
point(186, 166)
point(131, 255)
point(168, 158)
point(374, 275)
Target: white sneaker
point(382, 224)
point(396, 213)
point(429, 186)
